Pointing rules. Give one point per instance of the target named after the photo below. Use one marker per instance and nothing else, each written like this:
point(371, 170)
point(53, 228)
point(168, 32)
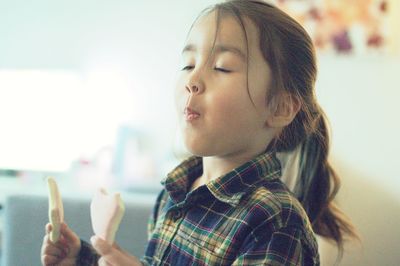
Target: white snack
point(106, 212)
point(56, 209)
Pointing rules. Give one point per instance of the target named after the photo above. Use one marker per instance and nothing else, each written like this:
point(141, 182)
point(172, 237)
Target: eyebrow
point(219, 48)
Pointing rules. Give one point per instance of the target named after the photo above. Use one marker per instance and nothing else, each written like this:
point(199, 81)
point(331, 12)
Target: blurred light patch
point(49, 118)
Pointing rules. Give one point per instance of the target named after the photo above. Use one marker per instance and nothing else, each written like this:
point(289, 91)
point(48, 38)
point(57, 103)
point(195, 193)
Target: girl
point(245, 93)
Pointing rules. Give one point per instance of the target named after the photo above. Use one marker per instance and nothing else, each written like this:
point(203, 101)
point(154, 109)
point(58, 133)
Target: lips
point(190, 114)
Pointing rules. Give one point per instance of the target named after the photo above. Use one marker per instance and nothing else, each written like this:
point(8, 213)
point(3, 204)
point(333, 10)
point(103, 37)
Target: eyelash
point(187, 68)
point(216, 68)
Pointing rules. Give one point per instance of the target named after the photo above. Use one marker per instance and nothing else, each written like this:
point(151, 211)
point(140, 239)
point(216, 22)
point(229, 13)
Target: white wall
point(360, 96)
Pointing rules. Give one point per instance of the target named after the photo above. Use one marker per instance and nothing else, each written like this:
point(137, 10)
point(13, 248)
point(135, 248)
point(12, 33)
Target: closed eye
point(187, 68)
point(222, 70)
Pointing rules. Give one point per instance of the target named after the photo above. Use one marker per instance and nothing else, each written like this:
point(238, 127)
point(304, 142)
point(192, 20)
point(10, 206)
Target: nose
point(193, 88)
point(195, 81)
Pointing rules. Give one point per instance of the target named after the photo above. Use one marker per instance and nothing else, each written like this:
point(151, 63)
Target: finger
point(53, 251)
point(100, 245)
point(116, 246)
point(110, 254)
point(50, 248)
point(67, 233)
point(103, 262)
point(47, 241)
point(48, 260)
point(48, 228)
point(104, 246)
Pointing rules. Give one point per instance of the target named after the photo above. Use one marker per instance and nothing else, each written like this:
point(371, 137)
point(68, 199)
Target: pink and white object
point(106, 212)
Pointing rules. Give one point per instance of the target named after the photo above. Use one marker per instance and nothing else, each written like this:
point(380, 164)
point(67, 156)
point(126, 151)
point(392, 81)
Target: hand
point(64, 252)
point(112, 255)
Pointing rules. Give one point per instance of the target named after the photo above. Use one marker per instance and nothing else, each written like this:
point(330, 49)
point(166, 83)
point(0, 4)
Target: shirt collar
point(229, 188)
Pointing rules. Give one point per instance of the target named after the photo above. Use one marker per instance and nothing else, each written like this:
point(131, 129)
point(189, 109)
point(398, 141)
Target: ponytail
point(317, 183)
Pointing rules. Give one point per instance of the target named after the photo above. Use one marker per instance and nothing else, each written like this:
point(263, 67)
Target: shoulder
point(274, 204)
point(273, 212)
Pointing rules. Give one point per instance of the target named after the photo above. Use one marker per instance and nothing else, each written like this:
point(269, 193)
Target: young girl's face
point(221, 90)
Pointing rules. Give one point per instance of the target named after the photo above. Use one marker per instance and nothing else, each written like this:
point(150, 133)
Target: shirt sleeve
point(87, 255)
point(282, 247)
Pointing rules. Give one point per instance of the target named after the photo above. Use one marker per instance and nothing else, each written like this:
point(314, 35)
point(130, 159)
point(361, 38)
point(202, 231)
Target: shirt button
point(177, 215)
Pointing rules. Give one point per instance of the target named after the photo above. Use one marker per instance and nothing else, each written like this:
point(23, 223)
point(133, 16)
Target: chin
point(197, 149)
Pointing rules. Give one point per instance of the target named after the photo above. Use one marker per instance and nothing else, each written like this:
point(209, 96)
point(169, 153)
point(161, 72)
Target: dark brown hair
point(290, 53)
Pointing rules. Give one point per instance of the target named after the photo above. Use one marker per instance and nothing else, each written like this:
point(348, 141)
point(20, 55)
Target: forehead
point(209, 31)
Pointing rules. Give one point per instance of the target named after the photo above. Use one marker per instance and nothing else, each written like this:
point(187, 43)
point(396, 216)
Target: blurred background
point(86, 95)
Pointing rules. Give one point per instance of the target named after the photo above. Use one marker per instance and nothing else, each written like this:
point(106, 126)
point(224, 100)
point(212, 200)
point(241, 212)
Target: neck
point(215, 166)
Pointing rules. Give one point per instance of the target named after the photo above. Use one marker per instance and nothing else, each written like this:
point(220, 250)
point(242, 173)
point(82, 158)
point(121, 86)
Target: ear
point(283, 109)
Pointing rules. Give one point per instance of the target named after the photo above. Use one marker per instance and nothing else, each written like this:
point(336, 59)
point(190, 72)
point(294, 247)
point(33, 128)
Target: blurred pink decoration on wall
point(343, 26)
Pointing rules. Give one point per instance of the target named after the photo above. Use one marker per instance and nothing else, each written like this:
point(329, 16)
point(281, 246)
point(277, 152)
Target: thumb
point(100, 245)
point(111, 254)
point(48, 227)
point(116, 246)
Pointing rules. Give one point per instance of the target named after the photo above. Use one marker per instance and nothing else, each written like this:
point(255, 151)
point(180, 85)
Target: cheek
point(228, 106)
point(259, 86)
point(236, 112)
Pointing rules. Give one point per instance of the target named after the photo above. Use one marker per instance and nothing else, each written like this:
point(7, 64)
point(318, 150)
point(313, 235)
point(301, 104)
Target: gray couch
point(25, 216)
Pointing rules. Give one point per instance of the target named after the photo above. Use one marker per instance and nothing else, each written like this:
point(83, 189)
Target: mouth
point(190, 114)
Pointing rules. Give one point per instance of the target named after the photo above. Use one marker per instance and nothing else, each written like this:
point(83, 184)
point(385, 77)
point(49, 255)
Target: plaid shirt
point(246, 217)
